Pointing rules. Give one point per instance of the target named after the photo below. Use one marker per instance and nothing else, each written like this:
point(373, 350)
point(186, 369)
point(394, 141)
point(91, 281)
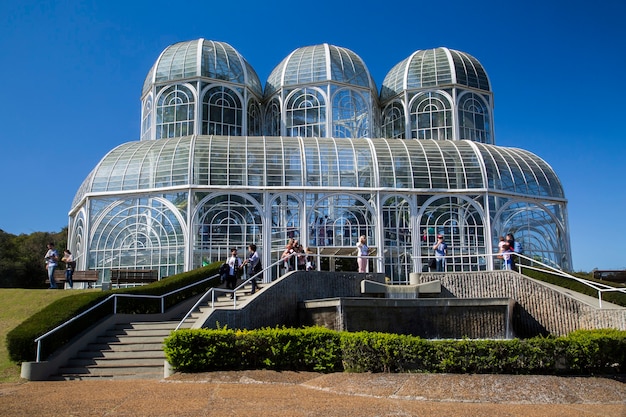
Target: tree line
point(21, 258)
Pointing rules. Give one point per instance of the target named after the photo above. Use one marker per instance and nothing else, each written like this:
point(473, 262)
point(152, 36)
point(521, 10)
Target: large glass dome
point(321, 162)
point(318, 64)
point(432, 68)
point(202, 58)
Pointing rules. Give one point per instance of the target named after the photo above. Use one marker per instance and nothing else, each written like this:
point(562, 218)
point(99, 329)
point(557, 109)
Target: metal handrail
point(212, 292)
point(597, 286)
point(114, 298)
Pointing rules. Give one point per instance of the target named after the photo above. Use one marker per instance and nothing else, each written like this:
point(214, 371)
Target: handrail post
point(38, 351)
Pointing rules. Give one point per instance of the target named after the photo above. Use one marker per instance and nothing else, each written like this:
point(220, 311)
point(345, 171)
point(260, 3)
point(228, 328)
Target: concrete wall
point(443, 318)
point(277, 303)
point(541, 309)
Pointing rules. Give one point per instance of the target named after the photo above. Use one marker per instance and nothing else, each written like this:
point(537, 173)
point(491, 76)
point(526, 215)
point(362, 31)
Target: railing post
point(38, 351)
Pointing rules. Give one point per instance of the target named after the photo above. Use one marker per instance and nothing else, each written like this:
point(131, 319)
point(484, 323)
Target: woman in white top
point(363, 251)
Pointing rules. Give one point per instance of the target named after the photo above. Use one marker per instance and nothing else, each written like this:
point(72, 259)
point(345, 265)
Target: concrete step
point(121, 354)
point(124, 347)
point(121, 339)
point(116, 362)
point(136, 372)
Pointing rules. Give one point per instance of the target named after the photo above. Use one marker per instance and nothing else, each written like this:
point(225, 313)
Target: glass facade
point(319, 156)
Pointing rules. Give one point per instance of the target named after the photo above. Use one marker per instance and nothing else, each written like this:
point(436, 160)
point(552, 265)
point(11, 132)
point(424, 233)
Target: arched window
point(272, 118)
point(351, 118)
point(393, 126)
point(175, 112)
point(461, 222)
point(255, 120)
point(474, 119)
point(431, 117)
point(221, 112)
point(537, 228)
point(138, 233)
point(146, 120)
point(222, 222)
point(396, 216)
point(306, 114)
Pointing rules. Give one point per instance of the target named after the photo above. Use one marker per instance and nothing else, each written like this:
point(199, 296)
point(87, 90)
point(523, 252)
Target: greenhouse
point(320, 155)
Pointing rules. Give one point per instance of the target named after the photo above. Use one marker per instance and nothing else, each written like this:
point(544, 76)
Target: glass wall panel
point(175, 112)
point(396, 218)
point(393, 124)
point(431, 116)
point(222, 112)
point(474, 119)
point(222, 222)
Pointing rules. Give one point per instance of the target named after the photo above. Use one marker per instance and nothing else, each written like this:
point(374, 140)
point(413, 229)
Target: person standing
point(362, 253)
point(507, 257)
point(441, 249)
point(70, 266)
point(234, 265)
point(52, 259)
point(253, 263)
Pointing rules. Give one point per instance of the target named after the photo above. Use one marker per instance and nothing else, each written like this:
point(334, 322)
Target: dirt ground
point(269, 393)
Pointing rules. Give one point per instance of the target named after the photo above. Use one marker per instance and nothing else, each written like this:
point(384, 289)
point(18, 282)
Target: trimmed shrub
point(20, 340)
point(308, 349)
point(318, 349)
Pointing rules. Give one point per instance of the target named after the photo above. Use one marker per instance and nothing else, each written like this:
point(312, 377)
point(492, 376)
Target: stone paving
point(268, 393)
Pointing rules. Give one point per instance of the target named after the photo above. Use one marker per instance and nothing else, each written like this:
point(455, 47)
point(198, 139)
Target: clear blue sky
point(72, 73)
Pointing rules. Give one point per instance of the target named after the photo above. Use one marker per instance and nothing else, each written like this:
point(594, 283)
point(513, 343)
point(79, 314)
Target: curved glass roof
point(202, 58)
point(434, 68)
point(319, 64)
point(266, 162)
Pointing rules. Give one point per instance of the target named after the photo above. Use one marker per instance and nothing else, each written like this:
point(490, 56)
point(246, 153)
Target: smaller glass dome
point(202, 58)
point(434, 68)
point(319, 64)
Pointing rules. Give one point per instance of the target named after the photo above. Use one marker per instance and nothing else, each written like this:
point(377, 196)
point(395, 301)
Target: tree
point(21, 258)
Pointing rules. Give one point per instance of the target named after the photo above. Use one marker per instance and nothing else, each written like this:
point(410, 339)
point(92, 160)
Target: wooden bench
point(133, 276)
point(87, 278)
point(610, 275)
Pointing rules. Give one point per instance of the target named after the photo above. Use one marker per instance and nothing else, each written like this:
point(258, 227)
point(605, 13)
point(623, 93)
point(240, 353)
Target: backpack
point(517, 247)
point(224, 269)
point(257, 268)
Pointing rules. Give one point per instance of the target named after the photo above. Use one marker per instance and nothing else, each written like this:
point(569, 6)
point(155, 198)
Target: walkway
point(294, 394)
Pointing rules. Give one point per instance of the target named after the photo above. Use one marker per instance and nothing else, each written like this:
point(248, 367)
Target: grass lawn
point(17, 305)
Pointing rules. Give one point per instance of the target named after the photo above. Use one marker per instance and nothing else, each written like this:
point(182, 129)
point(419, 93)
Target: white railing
point(533, 264)
point(597, 286)
point(114, 297)
point(214, 292)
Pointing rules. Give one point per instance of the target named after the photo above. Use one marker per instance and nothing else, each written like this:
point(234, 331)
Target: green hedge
point(20, 340)
point(589, 352)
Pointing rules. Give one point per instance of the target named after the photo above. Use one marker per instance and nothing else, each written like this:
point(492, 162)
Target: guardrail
point(597, 286)
point(212, 293)
point(114, 297)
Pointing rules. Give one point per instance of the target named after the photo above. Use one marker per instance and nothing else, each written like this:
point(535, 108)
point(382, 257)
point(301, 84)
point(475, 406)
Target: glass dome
point(319, 64)
point(202, 58)
point(321, 162)
point(434, 68)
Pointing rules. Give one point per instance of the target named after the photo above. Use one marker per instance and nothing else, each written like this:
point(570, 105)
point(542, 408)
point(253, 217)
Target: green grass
point(17, 306)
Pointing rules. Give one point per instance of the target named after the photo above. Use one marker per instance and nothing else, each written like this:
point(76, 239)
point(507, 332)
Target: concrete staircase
point(133, 350)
